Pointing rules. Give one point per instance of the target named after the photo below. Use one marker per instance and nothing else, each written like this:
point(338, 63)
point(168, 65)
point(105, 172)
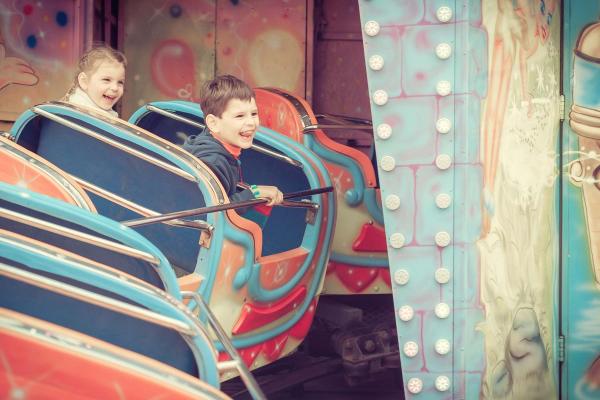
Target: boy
point(231, 118)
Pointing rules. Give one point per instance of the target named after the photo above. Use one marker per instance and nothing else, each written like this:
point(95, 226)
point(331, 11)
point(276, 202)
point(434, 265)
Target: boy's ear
point(212, 123)
point(82, 79)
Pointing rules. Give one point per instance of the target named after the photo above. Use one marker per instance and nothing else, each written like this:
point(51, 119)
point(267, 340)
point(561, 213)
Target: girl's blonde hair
point(91, 60)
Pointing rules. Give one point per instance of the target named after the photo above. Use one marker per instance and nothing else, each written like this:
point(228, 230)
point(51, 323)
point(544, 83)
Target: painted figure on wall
point(40, 43)
point(518, 251)
point(584, 121)
point(521, 26)
point(15, 71)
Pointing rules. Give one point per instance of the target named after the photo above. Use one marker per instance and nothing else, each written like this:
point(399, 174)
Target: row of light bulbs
point(443, 200)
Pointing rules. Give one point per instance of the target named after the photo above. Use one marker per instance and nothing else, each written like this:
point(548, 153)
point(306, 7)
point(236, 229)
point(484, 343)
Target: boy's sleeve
point(219, 166)
point(242, 195)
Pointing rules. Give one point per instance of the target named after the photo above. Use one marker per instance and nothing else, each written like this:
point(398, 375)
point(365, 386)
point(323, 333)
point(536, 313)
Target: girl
point(99, 81)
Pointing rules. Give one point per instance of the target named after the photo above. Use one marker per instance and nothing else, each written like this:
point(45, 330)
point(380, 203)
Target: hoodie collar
point(233, 150)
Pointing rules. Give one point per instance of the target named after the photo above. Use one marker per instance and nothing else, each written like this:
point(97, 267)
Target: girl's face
point(105, 84)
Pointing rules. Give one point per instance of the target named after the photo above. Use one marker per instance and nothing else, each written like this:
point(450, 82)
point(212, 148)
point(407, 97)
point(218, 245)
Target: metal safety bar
point(236, 361)
point(146, 212)
point(299, 204)
point(344, 119)
point(220, 207)
point(174, 116)
point(94, 298)
point(77, 235)
point(277, 155)
point(113, 143)
point(258, 148)
point(342, 122)
point(311, 128)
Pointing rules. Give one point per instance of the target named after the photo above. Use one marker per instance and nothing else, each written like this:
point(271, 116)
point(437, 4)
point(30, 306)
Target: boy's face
point(105, 84)
point(237, 125)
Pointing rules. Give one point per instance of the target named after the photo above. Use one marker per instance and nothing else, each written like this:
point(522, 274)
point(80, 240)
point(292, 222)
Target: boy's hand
point(270, 192)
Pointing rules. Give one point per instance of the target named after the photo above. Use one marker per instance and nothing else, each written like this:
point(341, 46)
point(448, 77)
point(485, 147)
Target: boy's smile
point(237, 125)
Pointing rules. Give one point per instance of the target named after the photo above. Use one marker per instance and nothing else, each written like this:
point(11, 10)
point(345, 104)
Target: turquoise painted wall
point(580, 276)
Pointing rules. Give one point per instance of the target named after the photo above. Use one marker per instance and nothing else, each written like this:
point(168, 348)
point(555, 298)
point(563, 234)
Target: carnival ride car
point(263, 295)
point(362, 336)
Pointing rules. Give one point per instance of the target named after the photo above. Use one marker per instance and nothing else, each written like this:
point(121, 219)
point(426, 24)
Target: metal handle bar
point(343, 119)
point(220, 207)
point(236, 361)
point(77, 235)
point(95, 299)
point(314, 127)
point(113, 143)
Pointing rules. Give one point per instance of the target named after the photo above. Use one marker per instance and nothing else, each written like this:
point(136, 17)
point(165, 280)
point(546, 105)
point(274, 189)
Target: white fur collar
point(81, 98)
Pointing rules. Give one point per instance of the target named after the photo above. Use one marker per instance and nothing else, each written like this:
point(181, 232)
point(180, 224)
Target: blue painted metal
point(100, 225)
point(580, 281)
point(61, 264)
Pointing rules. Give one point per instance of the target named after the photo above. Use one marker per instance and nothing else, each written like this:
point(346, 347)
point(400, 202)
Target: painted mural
point(465, 105)
point(264, 42)
point(172, 47)
point(519, 247)
point(581, 244)
point(40, 43)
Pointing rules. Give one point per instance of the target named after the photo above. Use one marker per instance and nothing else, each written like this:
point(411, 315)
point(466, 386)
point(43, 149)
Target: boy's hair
point(215, 94)
point(91, 60)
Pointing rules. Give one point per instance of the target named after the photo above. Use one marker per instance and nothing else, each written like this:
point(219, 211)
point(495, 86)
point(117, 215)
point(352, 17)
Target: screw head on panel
point(401, 277)
point(372, 28)
point(442, 310)
point(443, 200)
point(392, 202)
point(397, 240)
point(384, 131)
point(443, 88)
point(444, 14)
point(405, 313)
point(442, 275)
point(443, 51)
point(443, 161)
point(387, 163)
point(411, 349)
point(376, 62)
point(442, 383)
point(443, 125)
point(380, 97)
point(442, 238)
point(414, 385)
point(442, 346)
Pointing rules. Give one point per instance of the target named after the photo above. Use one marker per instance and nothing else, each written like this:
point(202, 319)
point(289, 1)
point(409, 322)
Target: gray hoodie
point(224, 165)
